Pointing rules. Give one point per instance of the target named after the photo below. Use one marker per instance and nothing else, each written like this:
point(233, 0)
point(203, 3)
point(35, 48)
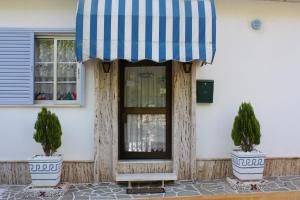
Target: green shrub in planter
point(48, 131)
point(246, 129)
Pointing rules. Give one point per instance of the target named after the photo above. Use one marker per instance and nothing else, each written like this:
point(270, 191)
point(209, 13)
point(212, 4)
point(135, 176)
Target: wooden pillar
point(106, 122)
point(184, 136)
point(193, 121)
point(115, 117)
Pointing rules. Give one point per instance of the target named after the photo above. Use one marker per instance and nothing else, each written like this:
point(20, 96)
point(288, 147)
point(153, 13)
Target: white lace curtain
point(145, 87)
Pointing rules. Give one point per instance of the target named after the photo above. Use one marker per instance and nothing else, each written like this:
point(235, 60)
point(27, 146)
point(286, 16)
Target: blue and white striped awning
point(157, 30)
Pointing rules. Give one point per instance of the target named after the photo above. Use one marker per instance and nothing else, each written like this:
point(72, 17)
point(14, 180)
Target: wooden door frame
point(167, 110)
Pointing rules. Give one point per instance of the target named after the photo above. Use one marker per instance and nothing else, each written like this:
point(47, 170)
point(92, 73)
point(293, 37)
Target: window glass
point(44, 50)
point(55, 69)
point(66, 51)
point(43, 91)
point(44, 73)
point(66, 70)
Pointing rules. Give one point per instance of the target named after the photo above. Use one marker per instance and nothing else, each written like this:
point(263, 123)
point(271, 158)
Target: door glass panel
point(145, 133)
point(145, 86)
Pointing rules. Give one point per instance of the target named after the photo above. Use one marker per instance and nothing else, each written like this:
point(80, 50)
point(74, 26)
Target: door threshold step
point(143, 177)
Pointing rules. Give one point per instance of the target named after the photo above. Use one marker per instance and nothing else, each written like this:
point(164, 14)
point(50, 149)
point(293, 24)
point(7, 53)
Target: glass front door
point(145, 111)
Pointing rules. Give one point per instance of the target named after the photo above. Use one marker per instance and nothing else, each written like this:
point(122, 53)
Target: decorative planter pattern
point(248, 165)
point(45, 170)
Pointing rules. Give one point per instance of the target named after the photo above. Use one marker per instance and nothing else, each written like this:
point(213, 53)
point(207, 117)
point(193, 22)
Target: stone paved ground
point(109, 191)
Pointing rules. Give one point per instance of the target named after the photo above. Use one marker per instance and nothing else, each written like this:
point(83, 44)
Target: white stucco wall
point(38, 13)
point(17, 128)
point(257, 66)
point(262, 67)
point(17, 123)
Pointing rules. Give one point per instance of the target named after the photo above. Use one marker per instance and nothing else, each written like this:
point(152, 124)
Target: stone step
point(146, 177)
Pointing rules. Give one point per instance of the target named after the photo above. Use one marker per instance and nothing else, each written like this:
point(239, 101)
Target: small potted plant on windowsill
point(247, 162)
point(45, 170)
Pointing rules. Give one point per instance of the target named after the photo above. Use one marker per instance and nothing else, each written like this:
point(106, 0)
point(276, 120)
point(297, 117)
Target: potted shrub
point(247, 162)
point(45, 169)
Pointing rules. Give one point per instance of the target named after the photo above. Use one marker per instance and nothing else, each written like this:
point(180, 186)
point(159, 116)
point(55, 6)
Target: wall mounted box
point(205, 91)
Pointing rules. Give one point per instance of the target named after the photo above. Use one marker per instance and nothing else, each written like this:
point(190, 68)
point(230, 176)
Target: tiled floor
point(113, 191)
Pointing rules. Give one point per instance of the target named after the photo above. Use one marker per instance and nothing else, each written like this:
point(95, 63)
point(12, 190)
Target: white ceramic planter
point(248, 165)
point(45, 170)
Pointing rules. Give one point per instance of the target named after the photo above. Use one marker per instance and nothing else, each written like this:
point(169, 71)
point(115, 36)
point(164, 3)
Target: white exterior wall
point(257, 66)
point(17, 128)
point(38, 13)
point(262, 67)
point(17, 123)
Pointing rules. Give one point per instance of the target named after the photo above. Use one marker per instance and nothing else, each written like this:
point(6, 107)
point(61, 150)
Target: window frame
point(55, 101)
point(167, 110)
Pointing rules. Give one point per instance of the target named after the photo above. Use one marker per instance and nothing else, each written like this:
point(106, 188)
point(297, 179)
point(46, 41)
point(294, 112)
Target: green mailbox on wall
point(205, 91)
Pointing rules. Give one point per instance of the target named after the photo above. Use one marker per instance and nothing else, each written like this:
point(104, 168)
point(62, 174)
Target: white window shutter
point(16, 67)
